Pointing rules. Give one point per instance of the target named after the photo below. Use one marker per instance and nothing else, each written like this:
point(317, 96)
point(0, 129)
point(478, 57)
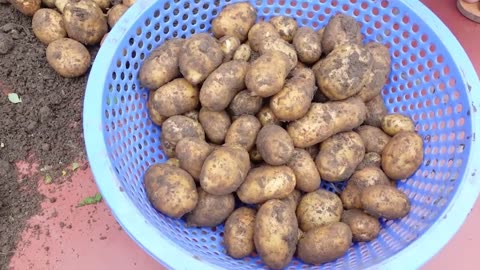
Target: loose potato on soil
point(238, 232)
point(171, 190)
point(216, 124)
point(47, 25)
point(192, 152)
point(306, 172)
point(234, 20)
point(115, 13)
point(243, 131)
point(245, 103)
point(267, 117)
point(373, 138)
point(308, 45)
point(84, 21)
point(376, 110)
point(325, 243)
point(259, 32)
point(211, 210)
point(318, 208)
point(403, 154)
point(27, 7)
point(371, 159)
point(395, 123)
point(274, 44)
point(276, 234)
point(286, 26)
point(155, 116)
point(341, 29)
point(176, 128)
point(363, 226)
point(274, 145)
point(229, 46)
point(176, 97)
point(385, 201)
point(243, 53)
point(68, 57)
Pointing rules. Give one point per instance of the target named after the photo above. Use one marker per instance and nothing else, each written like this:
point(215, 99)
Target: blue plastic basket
point(432, 81)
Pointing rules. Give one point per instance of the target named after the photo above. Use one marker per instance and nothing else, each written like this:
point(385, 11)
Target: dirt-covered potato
point(68, 57)
point(47, 25)
point(265, 183)
point(341, 29)
point(234, 20)
point(211, 210)
point(308, 45)
point(305, 169)
point(339, 156)
point(192, 152)
point(176, 128)
point(363, 226)
point(276, 234)
point(403, 154)
point(161, 66)
point(176, 97)
point(325, 243)
point(245, 103)
point(395, 123)
point(243, 53)
point(286, 27)
point(371, 159)
point(243, 131)
point(171, 190)
point(223, 84)
point(215, 124)
point(128, 3)
point(276, 44)
point(153, 113)
point(318, 208)
point(84, 21)
point(376, 110)
point(369, 176)
point(27, 7)
point(259, 32)
point(267, 117)
point(385, 201)
point(351, 196)
point(201, 54)
point(224, 170)
point(274, 145)
point(115, 13)
point(229, 46)
point(238, 233)
point(373, 138)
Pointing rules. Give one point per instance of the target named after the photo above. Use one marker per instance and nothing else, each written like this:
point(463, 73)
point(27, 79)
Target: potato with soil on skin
point(176, 128)
point(171, 190)
point(276, 234)
point(259, 32)
point(308, 45)
point(265, 183)
point(306, 172)
point(243, 131)
point(274, 145)
point(27, 7)
point(192, 152)
point(229, 46)
point(385, 201)
point(267, 117)
point(325, 243)
point(47, 25)
point(363, 226)
point(351, 196)
point(176, 97)
point(245, 103)
point(68, 57)
point(376, 110)
point(395, 123)
point(373, 138)
point(84, 21)
point(153, 113)
point(216, 124)
point(276, 44)
point(341, 29)
point(371, 159)
point(238, 233)
point(403, 155)
point(234, 20)
point(339, 156)
point(115, 13)
point(243, 53)
point(286, 26)
point(211, 210)
point(318, 208)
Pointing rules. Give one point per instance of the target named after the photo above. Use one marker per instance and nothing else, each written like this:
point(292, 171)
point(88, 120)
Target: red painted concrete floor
point(66, 237)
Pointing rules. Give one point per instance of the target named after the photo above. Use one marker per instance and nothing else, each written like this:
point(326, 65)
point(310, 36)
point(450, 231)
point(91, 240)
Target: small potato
point(385, 201)
point(176, 128)
point(170, 189)
point(155, 116)
point(395, 123)
point(245, 103)
point(211, 210)
point(259, 32)
point(267, 117)
point(68, 57)
point(229, 46)
point(176, 97)
point(234, 20)
point(275, 145)
point(371, 159)
point(200, 55)
point(47, 25)
point(216, 124)
point(27, 7)
point(238, 233)
point(369, 176)
point(128, 3)
point(243, 131)
point(243, 53)
point(265, 183)
point(364, 227)
point(402, 156)
point(115, 13)
point(325, 243)
point(339, 156)
point(192, 152)
point(373, 138)
point(60, 4)
point(306, 172)
point(341, 29)
point(308, 45)
point(276, 234)
point(84, 21)
point(376, 110)
point(351, 196)
point(270, 44)
point(286, 27)
point(318, 208)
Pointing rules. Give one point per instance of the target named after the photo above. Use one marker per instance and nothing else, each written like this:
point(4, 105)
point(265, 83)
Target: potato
point(170, 189)
point(155, 116)
point(128, 3)
point(229, 46)
point(194, 115)
point(276, 234)
point(369, 176)
point(243, 131)
point(84, 21)
point(403, 154)
point(373, 138)
point(115, 13)
point(395, 123)
point(273, 43)
point(308, 45)
point(274, 145)
point(343, 72)
point(339, 156)
point(27, 7)
point(364, 227)
point(192, 152)
point(47, 25)
point(216, 124)
point(176, 97)
point(176, 128)
point(376, 110)
point(286, 27)
point(223, 84)
point(265, 183)
point(161, 66)
point(267, 117)
point(238, 233)
point(385, 201)
point(234, 20)
point(305, 170)
point(224, 170)
point(245, 103)
point(371, 159)
point(211, 210)
point(243, 53)
point(60, 4)
point(341, 29)
point(325, 243)
point(201, 54)
point(351, 196)
point(318, 208)
point(259, 32)
point(48, 3)
point(68, 57)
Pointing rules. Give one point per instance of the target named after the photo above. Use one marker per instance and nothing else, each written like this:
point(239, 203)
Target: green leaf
point(91, 200)
point(14, 98)
point(48, 179)
point(75, 166)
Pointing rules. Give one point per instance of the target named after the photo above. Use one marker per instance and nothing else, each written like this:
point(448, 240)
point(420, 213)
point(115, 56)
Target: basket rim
point(167, 252)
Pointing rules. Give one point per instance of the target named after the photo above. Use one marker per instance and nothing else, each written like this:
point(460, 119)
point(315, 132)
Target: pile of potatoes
point(256, 115)
point(66, 27)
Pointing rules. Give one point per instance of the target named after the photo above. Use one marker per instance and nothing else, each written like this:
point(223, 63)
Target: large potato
point(308, 45)
point(155, 116)
point(275, 44)
point(216, 124)
point(243, 131)
point(318, 208)
point(274, 145)
point(286, 26)
point(403, 154)
point(373, 138)
point(238, 233)
point(47, 25)
point(27, 7)
point(176, 97)
point(115, 13)
point(364, 227)
point(341, 29)
point(371, 159)
point(267, 117)
point(395, 123)
point(276, 234)
point(265, 183)
point(211, 210)
point(245, 103)
point(243, 53)
point(68, 57)
point(176, 128)
point(305, 169)
point(361, 179)
point(259, 32)
point(385, 201)
point(192, 152)
point(376, 110)
point(229, 46)
point(234, 20)
point(84, 21)
point(170, 189)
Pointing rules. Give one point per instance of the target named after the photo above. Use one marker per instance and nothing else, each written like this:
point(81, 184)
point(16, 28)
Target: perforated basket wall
point(431, 81)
